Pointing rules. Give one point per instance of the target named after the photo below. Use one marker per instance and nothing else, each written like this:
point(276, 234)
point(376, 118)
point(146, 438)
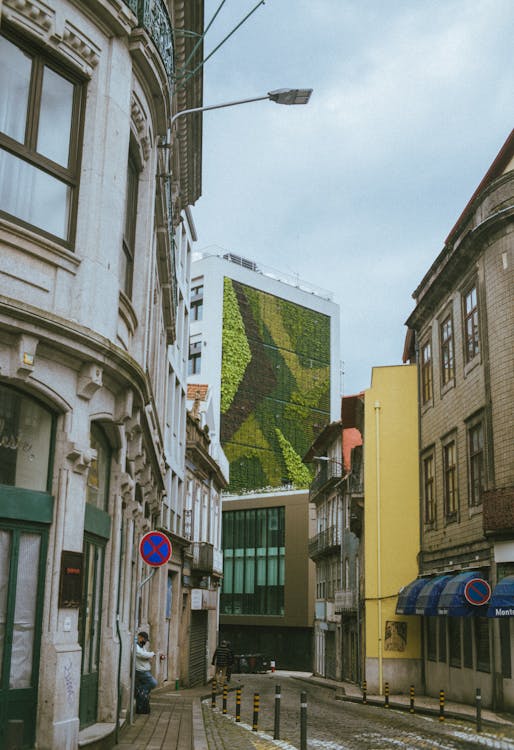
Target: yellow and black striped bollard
point(238, 704)
point(364, 692)
point(411, 709)
point(225, 693)
point(213, 693)
point(386, 695)
point(441, 705)
point(256, 706)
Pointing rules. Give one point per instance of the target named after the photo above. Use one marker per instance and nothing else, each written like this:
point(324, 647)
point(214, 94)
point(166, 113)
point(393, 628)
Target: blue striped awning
point(408, 595)
point(502, 598)
point(452, 601)
point(428, 597)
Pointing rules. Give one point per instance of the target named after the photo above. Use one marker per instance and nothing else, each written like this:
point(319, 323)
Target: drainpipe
point(120, 655)
point(379, 550)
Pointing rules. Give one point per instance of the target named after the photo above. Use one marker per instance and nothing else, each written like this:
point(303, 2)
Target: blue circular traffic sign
point(155, 548)
point(477, 592)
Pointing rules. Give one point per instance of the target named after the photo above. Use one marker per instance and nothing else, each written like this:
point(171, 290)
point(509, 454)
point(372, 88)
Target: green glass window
point(253, 562)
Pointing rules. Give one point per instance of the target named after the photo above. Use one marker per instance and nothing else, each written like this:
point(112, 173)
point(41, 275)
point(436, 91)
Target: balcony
point(328, 475)
point(498, 511)
point(206, 559)
point(153, 17)
point(324, 543)
point(356, 515)
point(345, 601)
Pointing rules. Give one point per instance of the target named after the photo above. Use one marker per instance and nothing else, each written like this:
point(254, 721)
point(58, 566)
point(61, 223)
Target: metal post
point(441, 705)
point(238, 704)
point(225, 693)
point(255, 711)
point(136, 628)
point(303, 721)
point(213, 692)
point(411, 709)
point(364, 692)
point(479, 710)
point(276, 733)
point(386, 695)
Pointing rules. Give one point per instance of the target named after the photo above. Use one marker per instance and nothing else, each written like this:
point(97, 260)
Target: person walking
point(222, 660)
point(145, 681)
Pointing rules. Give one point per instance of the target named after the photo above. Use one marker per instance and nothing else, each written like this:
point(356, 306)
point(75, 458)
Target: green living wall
point(275, 386)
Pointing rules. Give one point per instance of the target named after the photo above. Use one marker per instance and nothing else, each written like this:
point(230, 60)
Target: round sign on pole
point(155, 548)
point(477, 592)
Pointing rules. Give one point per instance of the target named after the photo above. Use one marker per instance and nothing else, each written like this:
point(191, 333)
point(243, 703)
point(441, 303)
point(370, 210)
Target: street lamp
point(279, 96)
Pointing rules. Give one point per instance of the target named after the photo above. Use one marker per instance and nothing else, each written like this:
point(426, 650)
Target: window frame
point(471, 340)
point(196, 300)
point(68, 175)
point(476, 463)
point(447, 350)
point(194, 360)
point(128, 243)
point(429, 489)
point(427, 380)
point(450, 480)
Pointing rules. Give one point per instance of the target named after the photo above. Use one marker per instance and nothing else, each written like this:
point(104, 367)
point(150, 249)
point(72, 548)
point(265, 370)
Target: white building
point(94, 273)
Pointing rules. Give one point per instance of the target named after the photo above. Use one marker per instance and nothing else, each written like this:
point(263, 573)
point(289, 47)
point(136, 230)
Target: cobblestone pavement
point(334, 724)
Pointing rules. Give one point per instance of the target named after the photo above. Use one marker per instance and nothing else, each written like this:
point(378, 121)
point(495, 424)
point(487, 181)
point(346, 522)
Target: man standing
point(222, 659)
point(145, 681)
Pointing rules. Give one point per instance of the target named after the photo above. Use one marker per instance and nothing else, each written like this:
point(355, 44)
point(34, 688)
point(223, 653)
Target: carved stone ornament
point(80, 458)
point(140, 123)
point(89, 380)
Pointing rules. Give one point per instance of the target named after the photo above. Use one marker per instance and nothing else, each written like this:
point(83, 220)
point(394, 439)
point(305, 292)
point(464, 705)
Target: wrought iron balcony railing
point(324, 543)
point(329, 473)
point(153, 16)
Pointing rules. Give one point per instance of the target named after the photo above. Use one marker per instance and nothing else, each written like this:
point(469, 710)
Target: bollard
point(225, 693)
point(272, 665)
point(177, 684)
point(276, 733)
point(479, 710)
point(364, 692)
point(255, 711)
point(213, 693)
point(386, 695)
point(303, 721)
point(441, 705)
point(238, 704)
point(411, 709)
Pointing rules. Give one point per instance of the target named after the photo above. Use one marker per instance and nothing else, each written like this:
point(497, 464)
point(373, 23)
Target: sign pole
point(155, 550)
point(136, 628)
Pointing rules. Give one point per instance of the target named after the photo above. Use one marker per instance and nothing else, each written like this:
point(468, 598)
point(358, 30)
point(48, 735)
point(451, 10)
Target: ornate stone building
point(94, 274)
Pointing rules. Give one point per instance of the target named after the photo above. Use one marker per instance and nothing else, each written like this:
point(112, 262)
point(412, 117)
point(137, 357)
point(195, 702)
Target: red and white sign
point(477, 592)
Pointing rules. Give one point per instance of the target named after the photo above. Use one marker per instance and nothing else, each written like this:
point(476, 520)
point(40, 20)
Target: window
point(195, 357)
point(482, 644)
point(129, 228)
point(431, 638)
point(505, 647)
point(455, 641)
point(197, 302)
point(428, 489)
point(442, 638)
point(450, 480)
point(471, 339)
point(39, 127)
point(25, 441)
point(254, 562)
point(467, 641)
point(447, 358)
point(476, 463)
point(426, 373)
point(99, 470)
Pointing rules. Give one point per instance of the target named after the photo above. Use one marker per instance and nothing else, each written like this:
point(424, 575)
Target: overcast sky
point(357, 191)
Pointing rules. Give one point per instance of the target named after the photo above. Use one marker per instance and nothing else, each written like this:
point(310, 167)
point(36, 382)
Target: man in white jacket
point(145, 681)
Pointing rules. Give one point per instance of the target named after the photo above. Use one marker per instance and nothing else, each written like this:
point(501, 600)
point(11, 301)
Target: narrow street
point(339, 725)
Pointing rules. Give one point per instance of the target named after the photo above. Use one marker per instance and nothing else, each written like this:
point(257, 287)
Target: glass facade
point(253, 562)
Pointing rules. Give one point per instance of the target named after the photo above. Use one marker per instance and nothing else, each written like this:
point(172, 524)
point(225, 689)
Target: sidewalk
point(179, 721)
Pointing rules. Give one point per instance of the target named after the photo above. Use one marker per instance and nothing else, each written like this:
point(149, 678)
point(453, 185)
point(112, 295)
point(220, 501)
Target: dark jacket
point(223, 656)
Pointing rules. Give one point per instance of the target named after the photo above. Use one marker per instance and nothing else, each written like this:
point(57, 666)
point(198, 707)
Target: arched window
point(99, 471)
point(25, 441)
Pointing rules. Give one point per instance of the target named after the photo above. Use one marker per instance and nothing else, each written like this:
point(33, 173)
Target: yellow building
point(392, 643)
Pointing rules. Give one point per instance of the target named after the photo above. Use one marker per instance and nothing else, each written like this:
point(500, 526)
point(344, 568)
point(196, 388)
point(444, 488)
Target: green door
point(90, 621)
point(23, 551)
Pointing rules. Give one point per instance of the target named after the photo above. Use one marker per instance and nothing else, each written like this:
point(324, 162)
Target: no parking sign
point(477, 592)
point(155, 548)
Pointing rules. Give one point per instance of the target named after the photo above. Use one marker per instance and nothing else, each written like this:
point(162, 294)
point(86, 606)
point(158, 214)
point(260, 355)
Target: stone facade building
point(463, 326)
point(94, 274)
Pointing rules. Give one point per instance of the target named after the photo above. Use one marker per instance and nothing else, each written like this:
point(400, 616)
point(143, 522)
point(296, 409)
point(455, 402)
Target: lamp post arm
point(215, 106)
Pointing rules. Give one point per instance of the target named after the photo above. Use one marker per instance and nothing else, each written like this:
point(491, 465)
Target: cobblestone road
point(334, 724)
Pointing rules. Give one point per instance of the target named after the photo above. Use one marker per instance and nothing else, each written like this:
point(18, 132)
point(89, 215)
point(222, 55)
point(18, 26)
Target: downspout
point(379, 550)
point(421, 503)
point(118, 632)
